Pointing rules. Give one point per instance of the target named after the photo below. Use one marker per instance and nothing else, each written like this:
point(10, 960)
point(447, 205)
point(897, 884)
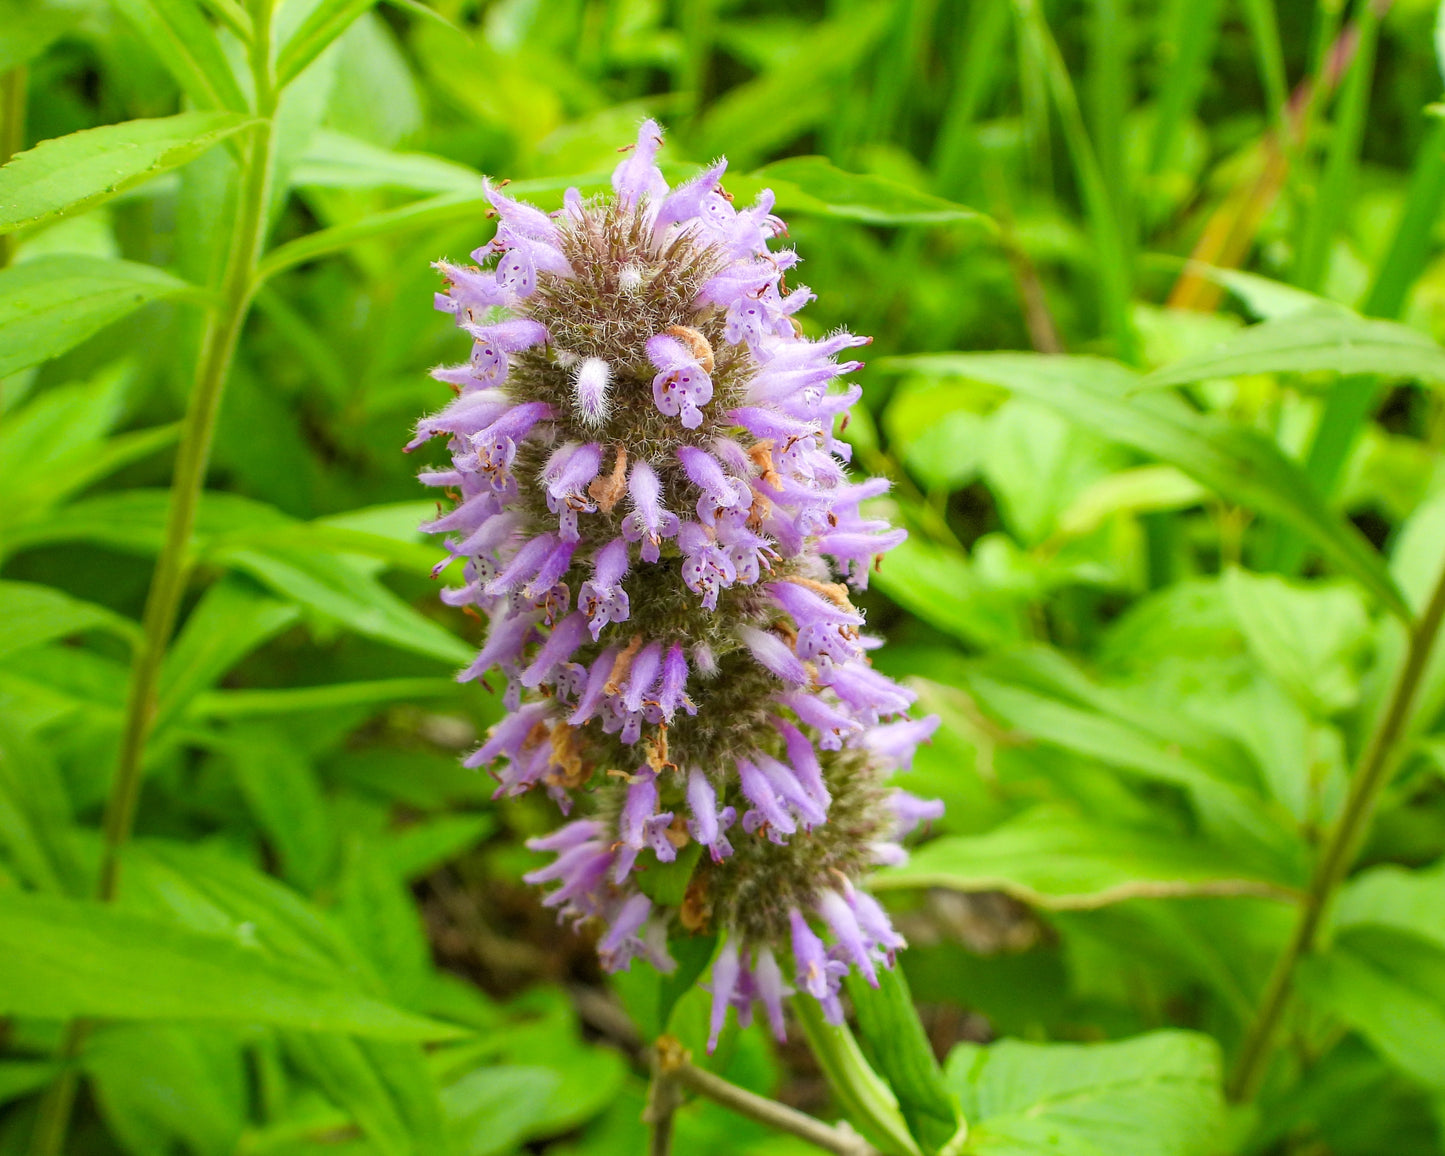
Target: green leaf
point(1224, 805)
point(1143, 489)
point(242, 704)
point(384, 1086)
point(1052, 859)
point(31, 615)
point(869, 1103)
point(232, 619)
point(61, 958)
point(178, 32)
point(30, 27)
point(1389, 986)
point(337, 161)
point(890, 1030)
point(1306, 635)
point(71, 174)
point(938, 584)
point(1321, 341)
point(490, 1109)
point(57, 444)
point(323, 24)
point(1390, 896)
point(52, 304)
point(134, 521)
point(420, 848)
point(814, 185)
point(281, 789)
point(157, 1084)
point(210, 892)
point(35, 811)
point(1155, 1095)
point(692, 954)
point(341, 591)
point(21, 1077)
point(1236, 463)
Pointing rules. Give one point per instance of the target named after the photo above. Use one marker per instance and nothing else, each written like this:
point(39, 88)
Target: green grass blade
point(1334, 196)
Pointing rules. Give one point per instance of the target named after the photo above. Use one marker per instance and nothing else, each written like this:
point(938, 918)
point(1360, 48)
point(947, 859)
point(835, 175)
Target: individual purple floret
point(655, 514)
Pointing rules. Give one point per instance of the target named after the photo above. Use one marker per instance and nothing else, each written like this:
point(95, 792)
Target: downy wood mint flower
point(654, 513)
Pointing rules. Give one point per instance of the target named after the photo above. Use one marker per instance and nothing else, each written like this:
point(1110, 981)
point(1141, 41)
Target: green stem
point(12, 134)
point(218, 347)
point(168, 582)
point(1342, 845)
point(780, 1117)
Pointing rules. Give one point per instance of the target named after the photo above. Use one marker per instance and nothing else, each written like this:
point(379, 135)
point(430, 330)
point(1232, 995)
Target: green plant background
point(1168, 559)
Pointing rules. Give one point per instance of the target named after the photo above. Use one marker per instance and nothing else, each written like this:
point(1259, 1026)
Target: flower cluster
point(654, 513)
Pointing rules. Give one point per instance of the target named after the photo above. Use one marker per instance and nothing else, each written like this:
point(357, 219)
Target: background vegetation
point(1170, 589)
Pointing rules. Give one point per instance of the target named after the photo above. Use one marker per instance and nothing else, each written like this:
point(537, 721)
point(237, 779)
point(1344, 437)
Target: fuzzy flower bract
point(655, 515)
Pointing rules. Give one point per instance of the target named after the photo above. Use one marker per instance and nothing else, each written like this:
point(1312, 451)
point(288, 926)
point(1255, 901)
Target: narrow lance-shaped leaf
point(326, 22)
point(52, 304)
point(62, 957)
point(815, 185)
point(1236, 463)
point(178, 32)
point(77, 172)
point(1057, 861)
point(1323, 341)
point(31, 614)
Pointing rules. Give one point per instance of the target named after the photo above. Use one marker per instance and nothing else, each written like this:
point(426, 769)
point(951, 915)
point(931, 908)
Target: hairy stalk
point(12, 134)
point(1342, 845)
point(672, 1063)
point(218, 346)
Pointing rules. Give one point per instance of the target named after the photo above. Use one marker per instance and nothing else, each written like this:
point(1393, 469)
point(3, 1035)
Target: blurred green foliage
point(1165, 568)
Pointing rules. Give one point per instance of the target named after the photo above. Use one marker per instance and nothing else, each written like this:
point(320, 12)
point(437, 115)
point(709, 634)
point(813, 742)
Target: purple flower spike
point(492, 343)
point(595, 688)
point(876, 925)
point(567, 474)
point(896, 743)
point(719, 491)
point(708, 823)
point(673, 691)
point(664, 574)
point(911, 811)
point(649, 523)
point(622, 942)
point(602, 598)
point(817, 974)
point(725, 969)
point(706, 567)
point(771, 990)
point(769, 806)
point(681, 384)
point(773, 654)
point(638, 177)
point(640, 827)
point(838, 913)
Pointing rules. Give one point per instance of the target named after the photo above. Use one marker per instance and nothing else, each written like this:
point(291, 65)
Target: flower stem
point(168, 582)
point(1342, 845)
point(673, 1063)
